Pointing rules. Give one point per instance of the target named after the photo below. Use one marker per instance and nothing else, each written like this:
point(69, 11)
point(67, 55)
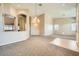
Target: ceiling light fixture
point(36, 20)
point(40, 4)
point(63, 4)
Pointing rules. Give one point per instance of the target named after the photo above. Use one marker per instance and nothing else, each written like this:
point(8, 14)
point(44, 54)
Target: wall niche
point(9, 22)
point(21, 22)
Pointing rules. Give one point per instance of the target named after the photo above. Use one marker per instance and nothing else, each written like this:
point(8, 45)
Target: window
point(73, 27)
point(56, 27)
point(9, 27)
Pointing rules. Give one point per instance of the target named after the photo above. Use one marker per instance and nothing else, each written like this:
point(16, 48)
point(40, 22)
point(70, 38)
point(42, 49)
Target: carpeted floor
point(35, 46)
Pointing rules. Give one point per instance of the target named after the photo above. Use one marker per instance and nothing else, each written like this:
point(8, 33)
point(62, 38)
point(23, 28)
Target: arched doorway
point(21, 22)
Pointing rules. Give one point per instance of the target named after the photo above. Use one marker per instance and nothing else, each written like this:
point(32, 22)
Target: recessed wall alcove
point(21, 22)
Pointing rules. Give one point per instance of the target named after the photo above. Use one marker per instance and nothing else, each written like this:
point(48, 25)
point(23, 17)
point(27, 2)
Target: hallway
point(35, 46)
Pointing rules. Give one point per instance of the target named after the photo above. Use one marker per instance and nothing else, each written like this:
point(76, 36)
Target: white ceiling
point(53, 9)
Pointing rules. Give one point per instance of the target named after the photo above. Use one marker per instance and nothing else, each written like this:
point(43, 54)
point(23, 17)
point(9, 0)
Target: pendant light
point(35, 20)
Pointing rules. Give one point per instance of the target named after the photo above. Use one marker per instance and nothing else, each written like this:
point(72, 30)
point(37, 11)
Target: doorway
point(21, 22)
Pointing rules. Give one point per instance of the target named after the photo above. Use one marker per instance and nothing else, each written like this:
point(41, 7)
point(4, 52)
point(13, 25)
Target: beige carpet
point(35, 46)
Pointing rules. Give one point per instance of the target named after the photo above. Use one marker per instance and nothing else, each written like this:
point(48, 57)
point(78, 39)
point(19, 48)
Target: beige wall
point(77, 20)
point(41, 24)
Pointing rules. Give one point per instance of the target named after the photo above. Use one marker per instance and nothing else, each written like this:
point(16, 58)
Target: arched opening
point(21, 22)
